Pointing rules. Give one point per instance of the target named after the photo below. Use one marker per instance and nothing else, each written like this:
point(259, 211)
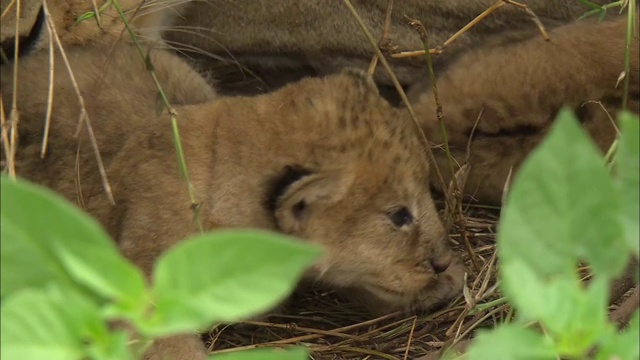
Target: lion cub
point(326, 160)
point(519, 88)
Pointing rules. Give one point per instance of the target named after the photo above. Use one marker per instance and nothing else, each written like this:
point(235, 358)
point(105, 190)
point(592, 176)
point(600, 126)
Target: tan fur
point(28, 12)
point(97, 65)
point(96, 70)
point(148, 21)
point(320, 36)
point(363, 164)
point(521, 86)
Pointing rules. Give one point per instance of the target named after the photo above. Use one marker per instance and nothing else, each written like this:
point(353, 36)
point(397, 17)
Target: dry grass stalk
point(47, 120)
point(384, 40)
point(398, 87)
point(84, 116)
point(500, 3)
point(14, 116)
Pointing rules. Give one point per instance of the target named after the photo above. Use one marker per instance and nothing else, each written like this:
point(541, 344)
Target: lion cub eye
point(400, 217)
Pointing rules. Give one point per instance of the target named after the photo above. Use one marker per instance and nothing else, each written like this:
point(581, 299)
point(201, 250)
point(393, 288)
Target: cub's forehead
point(395, 168)
point(401, 145)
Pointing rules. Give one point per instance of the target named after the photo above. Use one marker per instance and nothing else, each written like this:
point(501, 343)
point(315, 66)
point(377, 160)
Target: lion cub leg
point(513, 93)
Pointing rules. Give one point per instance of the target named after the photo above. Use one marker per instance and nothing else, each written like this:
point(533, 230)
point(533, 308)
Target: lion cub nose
point(440, 264)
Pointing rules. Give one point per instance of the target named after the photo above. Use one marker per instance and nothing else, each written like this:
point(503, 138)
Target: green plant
point(566, 207)
point(63, 281)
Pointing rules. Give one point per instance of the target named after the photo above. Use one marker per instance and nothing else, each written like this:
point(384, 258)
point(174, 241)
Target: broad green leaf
point(226, 276)
point(52, 324)
point(585, 320)
point(25, 263)
point(526, 291)
point(296, 353)
point(509, 342)
point(628, 171)
point(45, 238)
point(562, 207)
point(574, 315)
point(625, 345)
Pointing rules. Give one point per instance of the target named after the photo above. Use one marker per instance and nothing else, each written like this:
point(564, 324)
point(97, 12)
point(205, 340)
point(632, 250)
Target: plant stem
point(182, 164)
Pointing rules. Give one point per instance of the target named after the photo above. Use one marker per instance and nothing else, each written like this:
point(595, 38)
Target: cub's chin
point(381, 301)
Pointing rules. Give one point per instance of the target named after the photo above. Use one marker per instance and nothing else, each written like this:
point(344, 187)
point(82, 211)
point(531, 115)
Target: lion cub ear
point(309, 194)
point(363, 79)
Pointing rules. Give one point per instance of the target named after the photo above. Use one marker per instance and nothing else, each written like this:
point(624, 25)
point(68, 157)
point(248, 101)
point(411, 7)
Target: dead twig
point(14, 115)
point(413, 328)
point(47, 119)
point(625, 311)
point(500, 3)
point(385, 37)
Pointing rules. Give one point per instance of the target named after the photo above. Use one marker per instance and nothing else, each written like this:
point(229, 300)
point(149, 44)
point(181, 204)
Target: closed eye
point(400, 217)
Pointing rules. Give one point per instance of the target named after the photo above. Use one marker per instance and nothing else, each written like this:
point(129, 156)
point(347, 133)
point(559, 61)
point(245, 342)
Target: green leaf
point(46, 239)
point(25, 263)
point(628, 172)
point(584, 320)
point(52, 324)
point(574, 315)
point(562, 207)
point(623, 346)
point(510, 342)
point(296, 353)
point(225, 276)
point(590, 4)
point(83, 17)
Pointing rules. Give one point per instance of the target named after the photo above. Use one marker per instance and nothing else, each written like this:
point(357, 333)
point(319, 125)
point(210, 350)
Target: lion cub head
point(362, 191)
